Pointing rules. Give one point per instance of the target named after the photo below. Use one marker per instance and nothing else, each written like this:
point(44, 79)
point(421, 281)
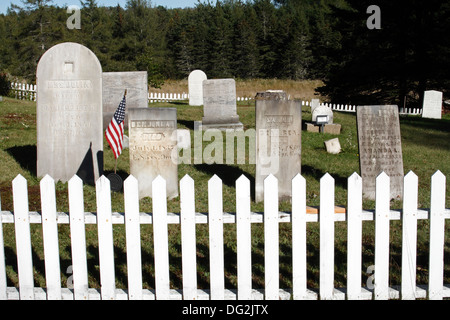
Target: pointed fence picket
point(301, 214)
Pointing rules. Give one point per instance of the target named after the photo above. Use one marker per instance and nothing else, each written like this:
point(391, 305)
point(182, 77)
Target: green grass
point(426, 148)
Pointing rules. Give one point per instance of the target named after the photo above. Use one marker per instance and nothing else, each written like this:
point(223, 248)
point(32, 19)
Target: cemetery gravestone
point(114, 85)
point(153, 148)
point(69, 114)
point(314, 104)
point(219, 105)
point(380, 148)
point(278, 144)
point(271, 95)
point(195, 83)
point(333, 146)
point(432, 105)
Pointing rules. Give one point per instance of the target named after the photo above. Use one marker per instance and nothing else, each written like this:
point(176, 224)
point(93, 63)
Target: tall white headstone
point(195, 83)
point(69, 113)
point(432, 105)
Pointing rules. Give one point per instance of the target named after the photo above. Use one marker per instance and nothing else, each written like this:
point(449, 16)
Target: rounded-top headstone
point(69, 113)
point(323, 110)
point(195, 83)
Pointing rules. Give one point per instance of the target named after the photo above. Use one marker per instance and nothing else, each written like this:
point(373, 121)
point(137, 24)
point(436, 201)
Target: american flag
point(114, 132)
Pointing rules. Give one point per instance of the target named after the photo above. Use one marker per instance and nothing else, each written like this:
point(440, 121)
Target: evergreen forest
point(249, 39)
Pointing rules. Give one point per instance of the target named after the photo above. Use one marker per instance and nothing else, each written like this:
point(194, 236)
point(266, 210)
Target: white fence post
point(216, 251)
point(244, 244)
point(437, 237)
point(105, 239)
point(161, 239)
point(78, 239)
point(188, 238)
point(50, 235)
point(271, 239)
point(133, 238)
point(409, 236)
point(382, 219)
point(326, 220)
point(299, 267)
point(354, 236)
point(3, 282)
point(23, 238)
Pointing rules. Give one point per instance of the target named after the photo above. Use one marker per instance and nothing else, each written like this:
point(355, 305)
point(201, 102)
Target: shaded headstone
point(432, 105)
point(69, 114)
point(114, 85)
point(278, 144)
point(219, 105)
point(153, 148)
point(195, 84)
point(380, 148)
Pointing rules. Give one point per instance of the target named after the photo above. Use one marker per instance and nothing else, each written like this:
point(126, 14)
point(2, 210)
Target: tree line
point(287, 39)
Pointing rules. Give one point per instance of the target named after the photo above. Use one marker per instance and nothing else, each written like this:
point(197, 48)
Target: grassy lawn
point(426, 148)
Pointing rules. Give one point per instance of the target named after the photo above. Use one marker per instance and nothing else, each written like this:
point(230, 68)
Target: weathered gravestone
point(114, 85)
point(153, 148)
point(333, 146)
point(219, 105)
point(278, 144)
point(432, 105)
point(380, 148)
point(195, 84)
point(69, 114)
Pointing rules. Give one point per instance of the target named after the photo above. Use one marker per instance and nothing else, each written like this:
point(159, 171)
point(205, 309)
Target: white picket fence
point(326, 216)
point(23, 91)
point(352, 108)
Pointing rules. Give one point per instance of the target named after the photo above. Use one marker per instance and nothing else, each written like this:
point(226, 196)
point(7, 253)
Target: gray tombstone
point(69, 114)
point(195, 84)
point(153, 148)
point(271, 95)
point(314, 104)
point(380, 148)
point(278, 144)
point(432, 105)
point(219, 105)
point(114, 85)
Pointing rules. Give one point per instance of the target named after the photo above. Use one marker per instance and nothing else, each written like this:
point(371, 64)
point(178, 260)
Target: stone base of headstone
point(328, 128)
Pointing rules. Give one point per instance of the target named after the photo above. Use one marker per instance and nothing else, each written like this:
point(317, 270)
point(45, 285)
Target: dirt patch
point(17, 118)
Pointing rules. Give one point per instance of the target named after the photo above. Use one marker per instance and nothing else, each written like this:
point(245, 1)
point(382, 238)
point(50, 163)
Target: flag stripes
point(114, 132)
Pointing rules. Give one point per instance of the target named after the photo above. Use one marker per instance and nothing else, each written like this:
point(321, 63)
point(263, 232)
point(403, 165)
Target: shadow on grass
point(317, 174)
point(228, 175)
point(26, 156)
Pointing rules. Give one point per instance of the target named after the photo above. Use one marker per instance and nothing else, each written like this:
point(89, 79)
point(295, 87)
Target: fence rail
point(326, 215)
